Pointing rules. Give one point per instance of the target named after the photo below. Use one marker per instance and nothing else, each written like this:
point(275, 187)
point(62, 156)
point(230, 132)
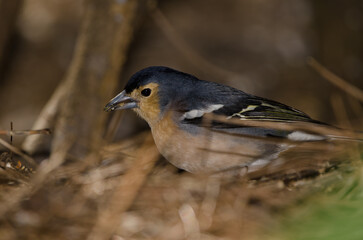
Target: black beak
point(121, 101)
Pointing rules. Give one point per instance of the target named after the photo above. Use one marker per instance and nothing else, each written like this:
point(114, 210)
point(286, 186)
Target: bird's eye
point(146, 92)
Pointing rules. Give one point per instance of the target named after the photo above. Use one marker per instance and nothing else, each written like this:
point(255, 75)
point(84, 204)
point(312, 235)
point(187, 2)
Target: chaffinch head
point(174, 104)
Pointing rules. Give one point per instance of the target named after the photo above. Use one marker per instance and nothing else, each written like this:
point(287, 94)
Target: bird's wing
point(256, 108)
point(248, 108)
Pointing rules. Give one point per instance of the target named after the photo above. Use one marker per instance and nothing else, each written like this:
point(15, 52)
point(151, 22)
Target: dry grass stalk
point(336, 80)
point(125, 193)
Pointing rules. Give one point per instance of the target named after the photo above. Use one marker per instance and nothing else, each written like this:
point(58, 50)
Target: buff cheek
point(148, 106)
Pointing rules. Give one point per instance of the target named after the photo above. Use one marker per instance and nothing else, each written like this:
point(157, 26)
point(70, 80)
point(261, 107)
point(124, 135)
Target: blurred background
point(260, 47)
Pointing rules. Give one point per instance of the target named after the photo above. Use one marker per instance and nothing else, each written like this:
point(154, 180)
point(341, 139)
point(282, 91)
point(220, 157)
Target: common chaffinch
point(174, 104)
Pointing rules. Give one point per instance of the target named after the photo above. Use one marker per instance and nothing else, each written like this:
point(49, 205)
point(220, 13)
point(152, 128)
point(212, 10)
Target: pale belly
point(210, 151)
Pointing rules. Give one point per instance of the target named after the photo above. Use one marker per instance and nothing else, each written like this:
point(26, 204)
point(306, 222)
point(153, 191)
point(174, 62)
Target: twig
point(18, 152)
point(124, 195)
point(24, 132)
point(337, 81)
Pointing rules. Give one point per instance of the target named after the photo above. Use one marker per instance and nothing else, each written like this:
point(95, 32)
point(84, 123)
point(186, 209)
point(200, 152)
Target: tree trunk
point(100, 52)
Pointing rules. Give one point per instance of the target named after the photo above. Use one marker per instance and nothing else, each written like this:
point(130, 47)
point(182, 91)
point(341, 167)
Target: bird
point(176, 105)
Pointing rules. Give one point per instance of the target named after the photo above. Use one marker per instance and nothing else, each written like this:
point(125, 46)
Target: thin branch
point(24, 132)
point(336, 80)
